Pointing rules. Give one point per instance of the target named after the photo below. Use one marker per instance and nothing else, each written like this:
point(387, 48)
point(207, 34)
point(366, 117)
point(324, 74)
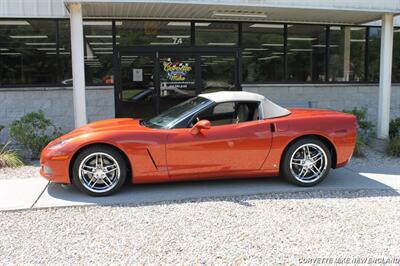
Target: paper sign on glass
point(137, 74)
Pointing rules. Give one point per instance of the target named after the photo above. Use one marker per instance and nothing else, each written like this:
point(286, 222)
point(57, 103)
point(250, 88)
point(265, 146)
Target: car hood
point(117, 124)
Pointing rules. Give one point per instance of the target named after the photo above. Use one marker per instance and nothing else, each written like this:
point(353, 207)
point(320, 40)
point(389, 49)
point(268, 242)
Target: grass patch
point(394, 147)
point(364, 130)
point(9, 157)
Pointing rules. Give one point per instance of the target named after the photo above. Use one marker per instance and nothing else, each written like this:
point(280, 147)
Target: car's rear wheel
point(306, 162)
point(99, 170)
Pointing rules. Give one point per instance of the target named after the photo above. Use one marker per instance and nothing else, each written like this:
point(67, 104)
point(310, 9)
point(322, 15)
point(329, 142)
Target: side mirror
point(201, 125)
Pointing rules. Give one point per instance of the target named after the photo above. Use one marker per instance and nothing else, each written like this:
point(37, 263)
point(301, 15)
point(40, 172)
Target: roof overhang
point(311, 11)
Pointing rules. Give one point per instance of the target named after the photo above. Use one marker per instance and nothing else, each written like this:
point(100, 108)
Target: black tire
point(109, 153)
point(296, 150)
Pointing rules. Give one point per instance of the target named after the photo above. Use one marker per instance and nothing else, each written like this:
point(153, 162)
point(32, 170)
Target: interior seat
point(242, 113)
point(256, 114)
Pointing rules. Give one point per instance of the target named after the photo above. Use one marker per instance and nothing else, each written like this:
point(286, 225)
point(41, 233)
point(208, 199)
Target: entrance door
point(136, 85)
point(177, 79)
point(150, 82)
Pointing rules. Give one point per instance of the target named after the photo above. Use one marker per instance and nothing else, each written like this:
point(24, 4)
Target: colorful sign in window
point(177, 70)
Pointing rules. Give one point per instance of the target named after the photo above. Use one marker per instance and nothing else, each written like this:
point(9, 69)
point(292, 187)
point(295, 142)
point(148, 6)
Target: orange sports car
point(214, 135)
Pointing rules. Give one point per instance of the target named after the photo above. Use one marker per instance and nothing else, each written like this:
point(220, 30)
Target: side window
point(224, 108)
point(247, 111)
point(220, 114)
point(229, 113)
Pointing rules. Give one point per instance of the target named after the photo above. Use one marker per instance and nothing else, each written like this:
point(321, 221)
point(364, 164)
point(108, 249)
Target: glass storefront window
point(396, 56)
point(28, 52)
point(347, 53)
point(29, 55)
point(306, 53)
point(99, 52)
point(263, 53)
point(374, 51)
point(153, 33)
point(65, 64)
point(216, 34)
point(217, 73)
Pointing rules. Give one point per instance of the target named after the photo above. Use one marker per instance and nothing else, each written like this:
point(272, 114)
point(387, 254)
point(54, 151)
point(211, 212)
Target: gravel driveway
point(375, 159)
point(278, 229)
point(31, 170)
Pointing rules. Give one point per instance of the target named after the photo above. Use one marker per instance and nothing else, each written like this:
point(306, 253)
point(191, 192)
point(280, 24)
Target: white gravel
point(272, 229)
point(31, 170)
point(375, 159)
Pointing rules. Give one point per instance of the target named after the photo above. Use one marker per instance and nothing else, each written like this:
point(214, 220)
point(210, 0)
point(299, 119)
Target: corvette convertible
point(211, 136)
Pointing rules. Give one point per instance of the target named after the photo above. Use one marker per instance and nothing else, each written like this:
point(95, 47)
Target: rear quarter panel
point(338, 128)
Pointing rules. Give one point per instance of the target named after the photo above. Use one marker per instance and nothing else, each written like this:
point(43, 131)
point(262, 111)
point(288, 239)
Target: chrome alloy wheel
point(308, 163)
point(99, 172)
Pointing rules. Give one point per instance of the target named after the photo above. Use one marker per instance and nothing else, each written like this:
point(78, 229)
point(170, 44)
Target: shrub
point(394, 128)
point(9, 158)
point(34, 131)
point(364, 130)
point(1, 127)
point(394, 147)
point(365, 127)
point(359, 148)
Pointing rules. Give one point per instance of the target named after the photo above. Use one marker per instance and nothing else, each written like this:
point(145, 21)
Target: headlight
point(59, 144)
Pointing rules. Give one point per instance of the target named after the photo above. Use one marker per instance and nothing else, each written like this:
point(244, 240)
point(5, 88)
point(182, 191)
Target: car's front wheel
point(99, 170)
point(306, 162)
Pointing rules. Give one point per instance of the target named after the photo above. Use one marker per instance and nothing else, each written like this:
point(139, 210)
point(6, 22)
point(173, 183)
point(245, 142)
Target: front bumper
point(54, 166)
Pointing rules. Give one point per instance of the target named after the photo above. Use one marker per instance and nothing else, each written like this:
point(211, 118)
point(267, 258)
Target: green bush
point(34, 131)
point(394, 128)
point(9, 158)
point(364, 130)
point(365, 127)
point(359, 148)
point(394, 147)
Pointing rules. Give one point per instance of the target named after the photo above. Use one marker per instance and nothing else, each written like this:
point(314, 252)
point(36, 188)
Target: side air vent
point(152, 159)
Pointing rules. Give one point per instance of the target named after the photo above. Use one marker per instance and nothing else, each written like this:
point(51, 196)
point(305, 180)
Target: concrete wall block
point(14, 114)
point(3, 109)
point(95, 118)
point(39, 104)
point(57, 105)
point(100, 98)
point(296, 90)
point(252, 89)
point(33, 95)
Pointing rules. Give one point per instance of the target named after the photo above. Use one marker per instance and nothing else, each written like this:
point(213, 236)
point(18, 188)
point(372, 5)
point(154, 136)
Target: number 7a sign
point(178, 40)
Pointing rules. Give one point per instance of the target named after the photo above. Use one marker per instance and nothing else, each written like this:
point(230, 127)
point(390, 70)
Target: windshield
point(174, 115)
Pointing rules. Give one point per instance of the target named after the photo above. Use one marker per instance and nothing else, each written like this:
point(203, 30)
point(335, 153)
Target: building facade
point(81, 61)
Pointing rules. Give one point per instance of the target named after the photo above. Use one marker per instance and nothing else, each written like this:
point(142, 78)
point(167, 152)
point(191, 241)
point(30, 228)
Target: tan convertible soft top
point(268, 109)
